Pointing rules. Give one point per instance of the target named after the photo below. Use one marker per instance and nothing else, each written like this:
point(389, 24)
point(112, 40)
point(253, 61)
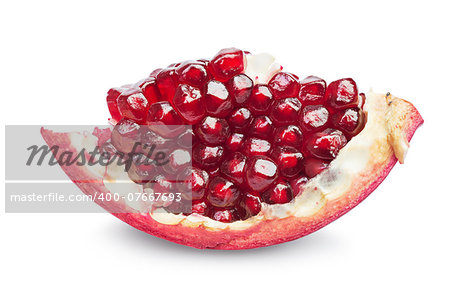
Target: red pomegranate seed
point(149, 138)
point(223, 215)
point(285, 111)
point(261, 172)
point(160, 184)
point(281, 193)
point(240, 119)
point(187, 139)
point(261, 127)
point(235, 142)
point(255, 146)
point(314, 117)
point(125, 135)
point(289, 135)
point(214, 172)
point(217, 99)
point(298, 184)
point(213, 131)
point(222, 192)
point(227, 63)
point(109, 152)
point(143, 163)
point(163, 112)
point(142, 169)
point(150, 90)
point(240, 87)
point(166, 82)
point(260, 99)
point(251, 204)
point(188, 102)
point(351, 120)
point(193, 181)
point(234, 167)
point(326, 144)
point(342, 93)
point(161, 118)
point(207, 157)
point(111, 100)
point(199, 207)
point(133, 105)
point(192, 72)
point(314, 166)
point(312, 90)
point(284, 85)
point(177, 160)
point(289, 160)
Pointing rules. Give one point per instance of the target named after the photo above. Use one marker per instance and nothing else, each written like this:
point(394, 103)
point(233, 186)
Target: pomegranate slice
point(274, 158)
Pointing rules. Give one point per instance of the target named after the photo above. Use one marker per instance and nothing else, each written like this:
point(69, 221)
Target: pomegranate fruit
point(273, 157)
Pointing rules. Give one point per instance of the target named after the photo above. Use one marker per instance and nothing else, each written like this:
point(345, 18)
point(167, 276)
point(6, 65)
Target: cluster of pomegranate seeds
point(251, 142)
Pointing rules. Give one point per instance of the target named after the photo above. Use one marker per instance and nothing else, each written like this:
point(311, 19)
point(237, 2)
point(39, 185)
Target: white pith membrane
point(371, 146)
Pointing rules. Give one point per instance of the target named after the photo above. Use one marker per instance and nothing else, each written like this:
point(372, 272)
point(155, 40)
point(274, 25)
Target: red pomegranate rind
point(261, 234)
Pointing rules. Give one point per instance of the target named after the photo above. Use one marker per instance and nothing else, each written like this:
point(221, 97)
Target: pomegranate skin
point(259, 234)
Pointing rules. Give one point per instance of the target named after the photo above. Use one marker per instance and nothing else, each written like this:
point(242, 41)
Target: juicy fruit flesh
point(251, 143)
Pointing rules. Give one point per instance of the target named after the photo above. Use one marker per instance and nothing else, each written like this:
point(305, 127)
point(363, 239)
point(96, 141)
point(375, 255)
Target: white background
point(58, 60)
